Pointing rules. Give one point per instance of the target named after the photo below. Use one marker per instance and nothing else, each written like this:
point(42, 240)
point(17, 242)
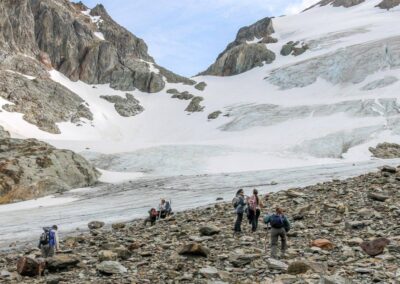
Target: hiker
point(153, 214)
point(48, 242)
point(279, 227)
point(239, 204)
point(254, 210)
point(165, 208)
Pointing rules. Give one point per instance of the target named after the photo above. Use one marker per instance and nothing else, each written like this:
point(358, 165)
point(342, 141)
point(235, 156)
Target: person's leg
point(51, 251)
point(257, 215)
point(274, 242)
point(284, 242)
point(45, 251)
point(239, 217)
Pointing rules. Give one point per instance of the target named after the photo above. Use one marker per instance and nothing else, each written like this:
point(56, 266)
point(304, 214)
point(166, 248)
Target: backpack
point(45, 237)
point(253, 203)
point(235, 202)
point(277, 221)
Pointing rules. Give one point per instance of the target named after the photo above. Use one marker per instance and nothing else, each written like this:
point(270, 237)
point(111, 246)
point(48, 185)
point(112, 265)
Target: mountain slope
point(330, 93)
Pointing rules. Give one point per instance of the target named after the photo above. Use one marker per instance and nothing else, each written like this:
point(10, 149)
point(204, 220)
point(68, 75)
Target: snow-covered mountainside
point(330, 92)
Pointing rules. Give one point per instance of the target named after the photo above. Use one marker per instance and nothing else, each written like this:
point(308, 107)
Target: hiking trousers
point(275, 235)
point(253, 219)
point(238, 222)
point(47, 251)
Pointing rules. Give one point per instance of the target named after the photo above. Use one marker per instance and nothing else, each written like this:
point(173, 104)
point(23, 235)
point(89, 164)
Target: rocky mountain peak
point(385, 4)
point(247, 51)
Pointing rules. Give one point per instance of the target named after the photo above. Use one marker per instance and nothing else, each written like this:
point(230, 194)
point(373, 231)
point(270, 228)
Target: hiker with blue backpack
point(48, 242)
point(239, 203)
point(279, 228)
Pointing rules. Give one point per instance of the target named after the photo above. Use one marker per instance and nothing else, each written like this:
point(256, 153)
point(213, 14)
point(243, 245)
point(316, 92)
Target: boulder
point(388, 169)
point(27, 266)
point(194, 249)
point(214, 115)
point(277, 265)
point(93, 225)
point(378, 196)
point(375, 247)
point(201, 86)
point(323, 244)
point(194, 105)
point(62, 262)
point(111, 267)
point(126, 107)
point(240, 260)
point(122, 252)
point(105, 255)
point(298, 267)
point(209, 230)
point(118, 226)
point(209, 272)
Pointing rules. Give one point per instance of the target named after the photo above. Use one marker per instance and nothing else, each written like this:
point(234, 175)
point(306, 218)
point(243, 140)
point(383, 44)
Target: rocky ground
point(343, 232)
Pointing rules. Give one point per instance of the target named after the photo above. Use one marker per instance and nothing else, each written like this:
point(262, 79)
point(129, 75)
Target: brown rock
point(323, 244)
point(62, 262)
point(298, 267)
point(194, 249)
point(27, 266)
point(375, 247)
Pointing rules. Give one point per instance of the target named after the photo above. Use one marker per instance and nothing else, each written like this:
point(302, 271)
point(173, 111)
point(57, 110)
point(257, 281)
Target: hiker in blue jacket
point(49, 242)
point(279, 227)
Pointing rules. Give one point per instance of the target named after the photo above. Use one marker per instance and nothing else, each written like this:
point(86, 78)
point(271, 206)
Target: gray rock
point(30, 169)
point(209, 230)
point(42, 101)
point(335, 279)
point(388, 4)
point(93, 225)
point(126, 107)
point(378, 196)
point(339, 3)
point(62, 262)
point(239, 56)
point(201, 86)
point(277, 265)
point(214, 115)
point(386, 151)
point(209, 272)
point(4, 134)
point(194, 249)
point(194, 105)
point(180, 95)
point(298, 267)
point(240, 260)
point(111, 267)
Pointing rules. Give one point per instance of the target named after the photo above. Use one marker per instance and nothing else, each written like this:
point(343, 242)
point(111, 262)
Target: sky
point(186, 36)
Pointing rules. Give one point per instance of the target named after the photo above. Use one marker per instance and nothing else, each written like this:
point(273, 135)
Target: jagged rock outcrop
point(31, 168)
point(185, 95)
point(83, 44)
point(338, 3)
point(386, 150)
point(42, 101)
point(126, 107)
point(388, 4)
point(194, 105)
point(292, 48)
point(249, 50)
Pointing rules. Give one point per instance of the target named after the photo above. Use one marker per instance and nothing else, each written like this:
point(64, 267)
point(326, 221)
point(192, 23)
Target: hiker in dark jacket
point(254, 210)
point(239, 204)
point(165, 208)
point(279, 227)
point(152, 218)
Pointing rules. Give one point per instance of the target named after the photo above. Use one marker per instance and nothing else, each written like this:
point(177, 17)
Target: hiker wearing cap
point(165, 208)
point(279, 227)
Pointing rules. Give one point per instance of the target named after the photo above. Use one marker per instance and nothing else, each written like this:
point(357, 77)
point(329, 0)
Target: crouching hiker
point(279, 227)
point(239, 204)
point(165, 208)
point(48, 242)
point(153, 214)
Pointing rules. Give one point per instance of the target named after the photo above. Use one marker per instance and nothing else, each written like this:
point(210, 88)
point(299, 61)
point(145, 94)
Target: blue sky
point(186, 36)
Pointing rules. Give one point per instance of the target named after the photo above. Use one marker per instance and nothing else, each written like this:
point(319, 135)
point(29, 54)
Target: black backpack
point(45, 237)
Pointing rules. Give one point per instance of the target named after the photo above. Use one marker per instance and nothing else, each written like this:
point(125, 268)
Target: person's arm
point(57, 241)
point(286, 223)
point(267, 219)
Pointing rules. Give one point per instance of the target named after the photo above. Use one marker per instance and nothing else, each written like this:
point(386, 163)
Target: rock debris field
point(342, 232)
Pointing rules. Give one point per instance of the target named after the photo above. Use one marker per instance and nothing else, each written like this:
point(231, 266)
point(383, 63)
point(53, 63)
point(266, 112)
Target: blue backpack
point(277, 221)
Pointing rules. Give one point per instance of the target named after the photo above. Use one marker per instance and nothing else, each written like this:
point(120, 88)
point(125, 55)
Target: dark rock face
point(241, 56)
point(126, 107)
point(30, 169)
point(59, 35)
point(338, 3)
point(388, 4)
point(42, 101)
